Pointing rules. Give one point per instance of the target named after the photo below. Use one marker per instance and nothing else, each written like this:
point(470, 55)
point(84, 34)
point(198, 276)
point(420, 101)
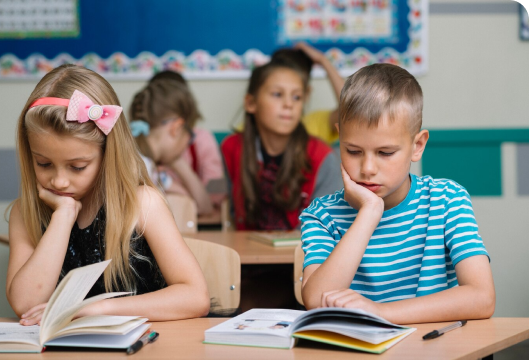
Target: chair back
point(299, 257)
point(4, 239)
point(221, 266)
point(185, 212)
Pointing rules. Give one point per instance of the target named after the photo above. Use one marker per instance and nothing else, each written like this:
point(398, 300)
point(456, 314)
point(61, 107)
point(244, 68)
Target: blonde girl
point(86, 197)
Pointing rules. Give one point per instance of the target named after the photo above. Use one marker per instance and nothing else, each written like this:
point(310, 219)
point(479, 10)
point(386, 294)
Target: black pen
point(437, 333)
point(144, 340)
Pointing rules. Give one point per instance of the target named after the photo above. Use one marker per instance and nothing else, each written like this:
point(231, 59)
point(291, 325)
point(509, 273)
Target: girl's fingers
point(34, 309)
point(35, 319)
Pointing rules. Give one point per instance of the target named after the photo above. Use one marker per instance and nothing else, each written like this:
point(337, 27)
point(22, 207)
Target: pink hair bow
point(82, 109)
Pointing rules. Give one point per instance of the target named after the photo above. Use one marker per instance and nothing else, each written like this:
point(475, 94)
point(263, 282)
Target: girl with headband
point(86, 197)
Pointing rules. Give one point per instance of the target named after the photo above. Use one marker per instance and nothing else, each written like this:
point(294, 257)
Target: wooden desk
point(215, 218)
point(183, 340)
point(250, 251)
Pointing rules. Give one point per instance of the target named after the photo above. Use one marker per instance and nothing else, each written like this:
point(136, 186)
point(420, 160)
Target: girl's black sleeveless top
point(87, 246)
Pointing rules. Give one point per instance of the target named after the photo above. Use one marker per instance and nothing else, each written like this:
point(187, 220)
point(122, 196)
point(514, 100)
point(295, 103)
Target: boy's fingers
point(345, 175)
point(329, 298)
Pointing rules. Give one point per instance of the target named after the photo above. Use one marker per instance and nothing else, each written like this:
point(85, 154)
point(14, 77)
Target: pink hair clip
point(82, 109)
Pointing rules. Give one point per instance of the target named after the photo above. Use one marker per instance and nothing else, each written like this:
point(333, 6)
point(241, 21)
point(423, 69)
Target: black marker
point(437, 333)
point(144, 340)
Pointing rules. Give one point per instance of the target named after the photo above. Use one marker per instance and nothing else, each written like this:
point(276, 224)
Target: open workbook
point(350, 328)
point(58, 327)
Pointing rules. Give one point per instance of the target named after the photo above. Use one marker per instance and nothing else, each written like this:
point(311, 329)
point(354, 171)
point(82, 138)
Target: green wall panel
point(220, 135)
point(476, 166)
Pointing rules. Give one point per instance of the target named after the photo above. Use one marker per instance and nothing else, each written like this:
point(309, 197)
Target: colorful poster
point(38, 18)
point(352, 34)
point(338, 21)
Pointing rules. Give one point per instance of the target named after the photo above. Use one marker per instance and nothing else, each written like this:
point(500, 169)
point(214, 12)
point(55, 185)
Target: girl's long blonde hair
point(122, 169)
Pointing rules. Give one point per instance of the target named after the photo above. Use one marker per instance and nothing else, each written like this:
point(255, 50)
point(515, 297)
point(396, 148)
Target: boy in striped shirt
point(403, 247)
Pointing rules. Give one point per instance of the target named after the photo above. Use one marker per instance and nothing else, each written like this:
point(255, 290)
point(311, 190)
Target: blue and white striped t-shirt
point(415, 247)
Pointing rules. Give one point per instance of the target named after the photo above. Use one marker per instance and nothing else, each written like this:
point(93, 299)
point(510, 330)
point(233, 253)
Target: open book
point(58, 327)
point(277, 238)
point(350, 328)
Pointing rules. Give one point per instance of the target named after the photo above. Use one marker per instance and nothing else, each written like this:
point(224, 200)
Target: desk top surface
point(183, 340)
point(250, 251)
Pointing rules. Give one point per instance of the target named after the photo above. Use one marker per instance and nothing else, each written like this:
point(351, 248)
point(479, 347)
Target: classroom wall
point(477, 78)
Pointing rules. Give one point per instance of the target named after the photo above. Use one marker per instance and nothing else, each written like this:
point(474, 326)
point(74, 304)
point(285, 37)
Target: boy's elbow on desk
point(488, 305)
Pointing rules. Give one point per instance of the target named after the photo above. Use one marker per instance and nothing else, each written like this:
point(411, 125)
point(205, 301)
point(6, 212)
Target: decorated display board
point(207, 38)
point(38, 18)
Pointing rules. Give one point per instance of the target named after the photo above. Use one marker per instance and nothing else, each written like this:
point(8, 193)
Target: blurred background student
point(274, 167)
point(163, 116)
point(183, 158)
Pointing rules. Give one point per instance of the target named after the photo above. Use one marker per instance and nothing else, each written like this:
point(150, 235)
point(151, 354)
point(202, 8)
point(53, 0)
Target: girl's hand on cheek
point(63, 204)
point(358, 196)
point(33, 315)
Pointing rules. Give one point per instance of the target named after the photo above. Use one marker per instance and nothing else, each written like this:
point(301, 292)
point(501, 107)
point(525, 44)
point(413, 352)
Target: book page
point(103, 322)
point(116, 329)
point(98, 320)
point(14, 332)
point(101, 341)
point(275, 322)
point(71, 291)
point(63, 318)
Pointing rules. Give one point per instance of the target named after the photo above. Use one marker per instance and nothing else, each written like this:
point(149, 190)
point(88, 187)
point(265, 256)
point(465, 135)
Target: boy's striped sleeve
point(461, 229)
point(316, 234)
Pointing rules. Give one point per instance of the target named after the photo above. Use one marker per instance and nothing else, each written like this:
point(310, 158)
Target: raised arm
point(319, 58)
point(33, 271)
point(334, 76)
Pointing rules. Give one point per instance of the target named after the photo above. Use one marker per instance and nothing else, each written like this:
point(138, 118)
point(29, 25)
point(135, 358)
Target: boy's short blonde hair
point(381, 89)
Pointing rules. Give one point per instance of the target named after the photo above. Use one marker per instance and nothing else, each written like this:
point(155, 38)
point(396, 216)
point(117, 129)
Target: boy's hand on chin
point(350, 299)
point(359, 197)
point(66, 204)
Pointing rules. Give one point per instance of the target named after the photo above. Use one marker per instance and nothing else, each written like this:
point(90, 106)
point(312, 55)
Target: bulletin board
point(133, 39)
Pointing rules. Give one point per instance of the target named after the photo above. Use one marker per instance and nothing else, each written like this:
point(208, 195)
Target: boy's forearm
point(338, 271)
point(458, 303)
